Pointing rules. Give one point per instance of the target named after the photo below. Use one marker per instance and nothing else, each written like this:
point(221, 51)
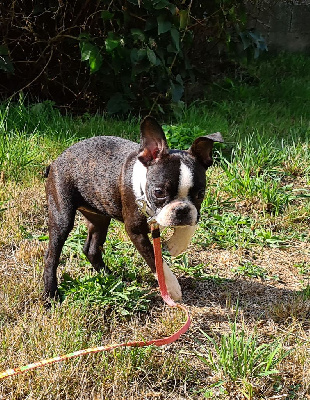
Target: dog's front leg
point(145, 248)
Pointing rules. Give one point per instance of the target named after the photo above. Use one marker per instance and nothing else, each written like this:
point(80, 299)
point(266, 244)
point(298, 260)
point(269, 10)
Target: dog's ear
point(152, 140)
point(202, 148)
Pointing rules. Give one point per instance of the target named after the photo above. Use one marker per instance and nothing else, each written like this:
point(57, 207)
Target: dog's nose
point(182, 212)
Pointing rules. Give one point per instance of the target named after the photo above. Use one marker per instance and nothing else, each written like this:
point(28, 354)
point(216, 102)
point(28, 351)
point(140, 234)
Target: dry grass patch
point(268, 305)
point(23, 211)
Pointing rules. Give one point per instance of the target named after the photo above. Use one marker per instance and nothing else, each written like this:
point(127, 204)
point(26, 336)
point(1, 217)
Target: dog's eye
point(159, 193)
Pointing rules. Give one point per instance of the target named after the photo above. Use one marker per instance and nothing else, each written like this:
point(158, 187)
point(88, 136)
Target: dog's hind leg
point(97, 232)
point(60, 224)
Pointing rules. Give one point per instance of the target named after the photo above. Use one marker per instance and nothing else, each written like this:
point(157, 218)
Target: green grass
point(119, 292)
point(33, 135)
point(105, 291)
point(239, 357)
point(251, 270)
point(251, 246)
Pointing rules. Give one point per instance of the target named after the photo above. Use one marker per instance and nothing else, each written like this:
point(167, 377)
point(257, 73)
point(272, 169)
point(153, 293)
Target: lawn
point(245, 277)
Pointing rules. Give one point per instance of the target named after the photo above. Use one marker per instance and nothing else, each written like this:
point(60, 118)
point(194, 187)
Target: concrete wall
point(284, 25)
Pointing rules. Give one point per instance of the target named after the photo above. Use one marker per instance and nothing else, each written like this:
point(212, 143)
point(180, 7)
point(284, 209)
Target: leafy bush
point(148, 56)
point(116, 55)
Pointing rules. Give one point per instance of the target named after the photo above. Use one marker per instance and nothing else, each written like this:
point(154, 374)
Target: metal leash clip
point(145, 209)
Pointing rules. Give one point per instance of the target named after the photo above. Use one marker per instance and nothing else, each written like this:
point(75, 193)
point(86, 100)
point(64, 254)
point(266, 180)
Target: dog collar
point(145, 209)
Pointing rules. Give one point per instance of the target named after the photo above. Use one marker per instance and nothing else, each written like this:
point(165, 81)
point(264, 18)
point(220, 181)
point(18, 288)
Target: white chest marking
point(138, 179)
point(185, 181)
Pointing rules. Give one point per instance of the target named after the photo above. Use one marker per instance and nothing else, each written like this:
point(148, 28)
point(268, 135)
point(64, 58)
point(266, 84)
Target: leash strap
point(157, 342)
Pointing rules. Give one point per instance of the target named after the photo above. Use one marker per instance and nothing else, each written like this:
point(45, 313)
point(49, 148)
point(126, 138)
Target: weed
point(306, 292)
point(111, 292)
point(225, 229)
point(304, 270)
point(107, 291)
point(181, 136)
point(17, 153)
point(251, 270)
point(241, 358)
point(244, 182)
point(74, 243)
point(228, 229)
point(198, 271)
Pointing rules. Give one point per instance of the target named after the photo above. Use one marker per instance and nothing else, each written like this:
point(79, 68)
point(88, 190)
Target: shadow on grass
point(257, 300)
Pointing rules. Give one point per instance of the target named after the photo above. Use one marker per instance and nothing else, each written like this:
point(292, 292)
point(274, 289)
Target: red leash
point(156, 342)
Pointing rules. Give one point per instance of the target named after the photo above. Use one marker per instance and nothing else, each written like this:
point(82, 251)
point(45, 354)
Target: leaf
point(179, 79)
point(151, 23)
point(95, 60)
point(176, 38)
point(111, 44)
point(245, 40)
point(141, 54)
point(184, 18)
point(91, 53)
point(4, 50)
point(134, 56)
point(6, 64)
point(172, 8)
point(137, 55)
point(42, 238)
point(106, 15)
point(160, 4)
point(137, 34)
point(171, 49)
point(86, 49)
point(151, 56)
point(84, 36)
point(163, 24)
point(176, 91)
point(117, 104)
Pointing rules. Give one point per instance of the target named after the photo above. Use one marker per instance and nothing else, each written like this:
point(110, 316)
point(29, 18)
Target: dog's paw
point(173, 286)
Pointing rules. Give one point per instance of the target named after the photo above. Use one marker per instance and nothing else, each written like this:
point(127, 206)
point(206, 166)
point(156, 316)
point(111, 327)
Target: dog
point(105, 177)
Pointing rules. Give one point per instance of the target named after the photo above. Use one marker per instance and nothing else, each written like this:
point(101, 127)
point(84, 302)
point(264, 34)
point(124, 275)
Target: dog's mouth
point(177, 213)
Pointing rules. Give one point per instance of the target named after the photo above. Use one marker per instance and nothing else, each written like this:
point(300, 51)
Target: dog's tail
point(46, 172)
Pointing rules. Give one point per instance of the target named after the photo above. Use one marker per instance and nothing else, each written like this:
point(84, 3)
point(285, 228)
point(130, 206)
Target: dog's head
point(172, 182)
